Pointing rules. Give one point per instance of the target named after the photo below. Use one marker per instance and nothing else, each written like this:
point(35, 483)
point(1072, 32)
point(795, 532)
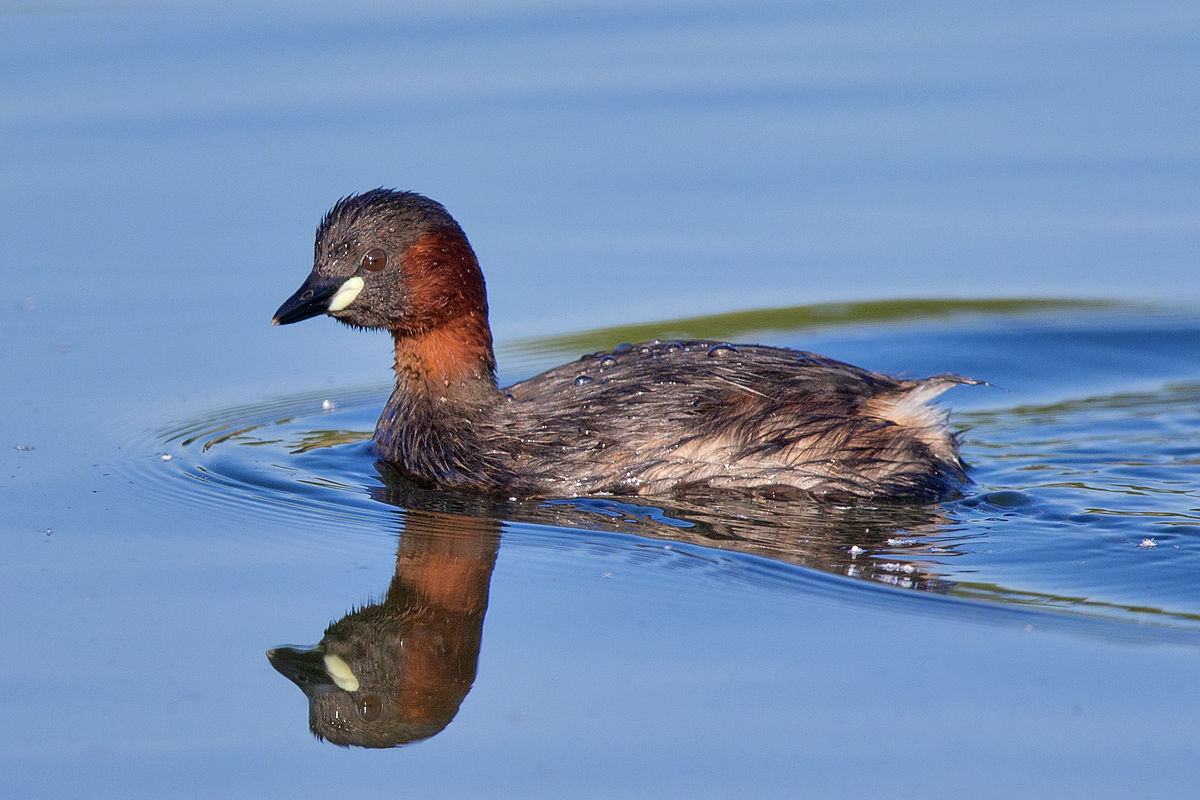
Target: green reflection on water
point(979, 590)
point(740, 323)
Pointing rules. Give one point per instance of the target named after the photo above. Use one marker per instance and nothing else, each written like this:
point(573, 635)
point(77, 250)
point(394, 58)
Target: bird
point(647, 419)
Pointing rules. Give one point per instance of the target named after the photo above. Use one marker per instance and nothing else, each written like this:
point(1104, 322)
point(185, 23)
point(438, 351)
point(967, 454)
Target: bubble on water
point(329, 405)
point(166, 456)
point(1148, 542)
point(24, 448)
point(584, 380)
point(607, 361)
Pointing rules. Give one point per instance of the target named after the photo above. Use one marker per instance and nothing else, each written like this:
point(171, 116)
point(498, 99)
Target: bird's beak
point(309, 300)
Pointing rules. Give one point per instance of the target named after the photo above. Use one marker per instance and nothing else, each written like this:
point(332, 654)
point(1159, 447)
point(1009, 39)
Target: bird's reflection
point(397, 671)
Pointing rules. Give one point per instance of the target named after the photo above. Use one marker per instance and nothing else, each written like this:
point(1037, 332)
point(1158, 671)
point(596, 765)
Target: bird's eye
point(375, 260)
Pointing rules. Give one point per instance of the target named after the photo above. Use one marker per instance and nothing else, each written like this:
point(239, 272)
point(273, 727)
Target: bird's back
point(671, 416)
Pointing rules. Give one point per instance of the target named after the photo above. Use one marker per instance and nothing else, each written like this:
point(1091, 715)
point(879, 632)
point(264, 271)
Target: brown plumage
point(645, 419)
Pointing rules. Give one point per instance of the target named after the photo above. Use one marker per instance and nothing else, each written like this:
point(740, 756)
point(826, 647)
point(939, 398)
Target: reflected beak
point(309, 300)
point(304, 667)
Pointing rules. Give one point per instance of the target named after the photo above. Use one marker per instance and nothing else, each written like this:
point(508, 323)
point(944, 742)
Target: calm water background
point(614, 164)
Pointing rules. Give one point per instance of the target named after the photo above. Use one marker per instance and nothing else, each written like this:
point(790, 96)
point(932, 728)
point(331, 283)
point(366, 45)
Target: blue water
point(183, 487)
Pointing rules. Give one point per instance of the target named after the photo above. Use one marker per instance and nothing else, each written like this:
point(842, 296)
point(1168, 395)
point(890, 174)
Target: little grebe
point(645, 419)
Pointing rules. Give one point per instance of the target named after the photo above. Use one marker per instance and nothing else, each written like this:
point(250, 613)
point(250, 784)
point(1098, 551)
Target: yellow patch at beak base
point(346, 293)
point(340, 671)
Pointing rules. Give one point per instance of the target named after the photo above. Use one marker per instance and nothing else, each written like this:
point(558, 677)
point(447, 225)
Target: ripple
point(304, 458)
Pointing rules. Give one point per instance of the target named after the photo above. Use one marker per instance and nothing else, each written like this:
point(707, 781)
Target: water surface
point(912, 188)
